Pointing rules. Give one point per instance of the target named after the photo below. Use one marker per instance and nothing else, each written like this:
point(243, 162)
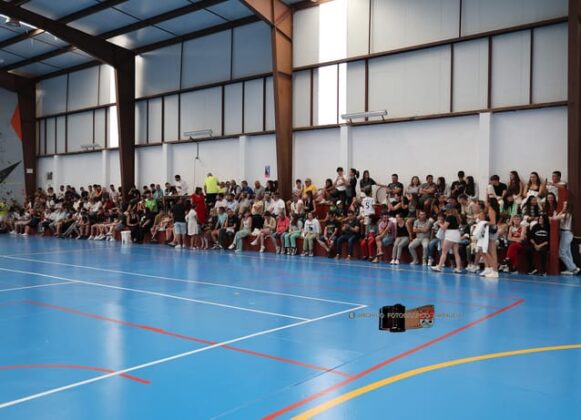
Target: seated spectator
point(515, 187)
point(402, 239)
point(531, 210)
point(350, 232)
point(516, 241)
point(228, 230)
point(311, 231)
point(268, 228)
point(551, 205)
point(244, 231)
point(471, 189)
point(325, 195)
point(555, 184)
point(385, 237)
point(459, 186)
point(496, 188)
point(421, 228)
point(539, 237)
point(534, 186)
point(246, 189)
point(298, 189)
point(509, 206)
point(282, 225)
point(290, 236)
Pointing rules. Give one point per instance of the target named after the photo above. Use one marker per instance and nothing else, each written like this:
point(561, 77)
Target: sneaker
point(337, 256)
point(25, 234)
point(415, 262)
point(311, 254)
point(436, 268)
point(430, 262)
point(375, 260)
point(232, 246)
point(304, 254)
point(348, 257)
point(485, 271)
point(254, 243)
point(492, 275)
point(278, 249)
point(458, 271)
point(576, 271)
point(392, 262)
point(178, 247)
point(533, 272)
point(90, 238)
point(396, 262)
point(425, 263)
point(262, 248)
point(566, 273)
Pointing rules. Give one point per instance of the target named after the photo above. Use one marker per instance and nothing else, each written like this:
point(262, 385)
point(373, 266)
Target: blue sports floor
point(93, 330)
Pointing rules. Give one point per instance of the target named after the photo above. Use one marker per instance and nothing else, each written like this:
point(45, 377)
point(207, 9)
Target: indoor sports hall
point(290, 209)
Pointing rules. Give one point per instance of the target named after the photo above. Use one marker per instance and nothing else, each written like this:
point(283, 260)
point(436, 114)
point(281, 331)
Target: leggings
point(400, 243)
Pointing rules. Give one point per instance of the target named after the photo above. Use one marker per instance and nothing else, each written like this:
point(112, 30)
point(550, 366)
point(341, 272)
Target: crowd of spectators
point(448, 221)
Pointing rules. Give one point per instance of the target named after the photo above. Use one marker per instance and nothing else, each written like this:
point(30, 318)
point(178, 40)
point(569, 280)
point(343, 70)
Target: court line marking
point(183, 337)
point(148, 292)
point(174, 357)
point(419, 371)
point(35, 286)
point(395, 269)
point(82, 367)
point(228, 286)
point(388, 361)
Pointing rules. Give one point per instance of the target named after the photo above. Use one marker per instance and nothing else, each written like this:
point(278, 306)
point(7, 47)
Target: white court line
point(34, 287)
point(62, 251)
point(147, 292)
point(170, 358)
point(182, 280)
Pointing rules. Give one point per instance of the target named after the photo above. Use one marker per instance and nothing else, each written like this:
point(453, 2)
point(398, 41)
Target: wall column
point(484, 174)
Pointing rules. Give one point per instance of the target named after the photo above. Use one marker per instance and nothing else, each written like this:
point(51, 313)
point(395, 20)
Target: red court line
point(61, 366)
point(187, 337)
point(387, 362)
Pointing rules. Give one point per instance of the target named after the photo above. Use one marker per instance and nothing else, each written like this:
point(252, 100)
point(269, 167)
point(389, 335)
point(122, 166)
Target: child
point(193, 226)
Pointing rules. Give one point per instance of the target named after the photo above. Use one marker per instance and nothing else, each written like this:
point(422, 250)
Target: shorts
point(180, 228)
point(387, 240)
point(452, 235)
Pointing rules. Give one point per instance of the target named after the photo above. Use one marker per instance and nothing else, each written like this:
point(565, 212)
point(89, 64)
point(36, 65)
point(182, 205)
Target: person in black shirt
point(452, 238)
point(366, 184)
point(178, 212)
point(459, 186)
point(349, 233)
point(539, 235)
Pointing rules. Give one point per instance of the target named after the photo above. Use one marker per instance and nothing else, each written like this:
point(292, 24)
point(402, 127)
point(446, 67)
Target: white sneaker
point(430, 261)
point(232, 246)
point(262, 248)
point(254, 243)
point(278, 249)
point(436, 268)
point(486, 271)
point(25, 234)
point(13, 232)
point(392, 262)
point(178, 247)
point(91, 238)
point(576, 271)
point(492, 275)
point(396, 262)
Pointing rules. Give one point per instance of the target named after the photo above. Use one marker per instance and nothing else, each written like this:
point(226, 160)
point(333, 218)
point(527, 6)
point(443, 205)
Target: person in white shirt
point(311, 231)
point(278, 205)
point(565, 217)
point(555, 184)
point(220, 201)
point(340, 185)
point(181, 186)
point(367, 208)
point(193, 226)
point(231, 202)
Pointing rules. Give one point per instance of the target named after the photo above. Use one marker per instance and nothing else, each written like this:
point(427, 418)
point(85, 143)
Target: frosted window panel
point(141, 122)
point(83, 88)
point(253, 106)
point(252, 50)
point(107, 85)
point(511, 69)
point(158, 71)
point(356, 86)
point(357, 27)
point(325, 91)
point(50, 136)
point(233, 109)
point(42, 137)
point(470, 75)
point(100, 127)
point(171, 118)
point(206, 60)
point(60, 134)
point(410, 84)
point(550, 64)
point(302, 98)
point(332, 30)
point(200, 110)
point(485, 15)
point(112, 128)
point(80, 130)
point(270, 123)
point(154, 120)
point(402, 23)
point(306, 37)
point(52, 96)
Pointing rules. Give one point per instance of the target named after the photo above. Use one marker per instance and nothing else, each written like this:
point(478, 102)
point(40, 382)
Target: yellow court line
point(405, 375)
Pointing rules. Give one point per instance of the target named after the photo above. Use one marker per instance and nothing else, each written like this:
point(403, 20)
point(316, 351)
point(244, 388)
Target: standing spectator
point(351, 185)
point(451, 227)
point(178, 212)
point(402, 239)
point(199, 202)
point(181, 186)
point(340, 185)
point(368, 242)
point(211, 189)
point(565, 217)
point(193, 226)
point(366, 184)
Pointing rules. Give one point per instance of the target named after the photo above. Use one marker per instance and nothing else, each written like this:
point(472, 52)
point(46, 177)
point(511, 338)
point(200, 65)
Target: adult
point(178, 212)
point(181, 185)
point(211, 188)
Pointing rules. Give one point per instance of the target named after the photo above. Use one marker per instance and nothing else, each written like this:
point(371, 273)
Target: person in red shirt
point(200, 204)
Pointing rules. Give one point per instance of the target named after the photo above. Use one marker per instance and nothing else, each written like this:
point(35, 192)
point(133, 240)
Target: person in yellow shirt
point(211, 188)
point(309, 187)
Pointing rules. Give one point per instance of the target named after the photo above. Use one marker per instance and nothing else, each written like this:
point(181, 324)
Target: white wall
point(533, 140)
point(316, 154)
